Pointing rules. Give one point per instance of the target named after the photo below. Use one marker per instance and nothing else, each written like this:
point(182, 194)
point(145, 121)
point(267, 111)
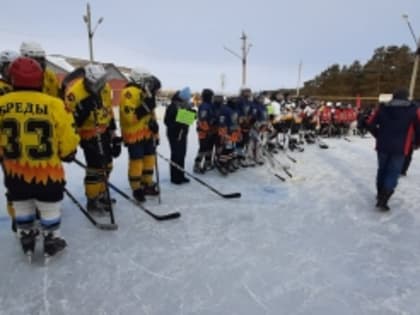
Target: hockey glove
point(116, 146)
point(153, 126)
point(70, 157)
point(84, 108)
point(150, 102)
point(141, 111)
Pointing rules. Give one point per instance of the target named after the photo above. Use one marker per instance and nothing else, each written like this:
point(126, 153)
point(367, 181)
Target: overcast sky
point(182, 41)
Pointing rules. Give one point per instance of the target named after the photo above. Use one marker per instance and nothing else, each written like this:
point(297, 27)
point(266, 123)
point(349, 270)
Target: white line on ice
point(255, 297)
point(154, 274)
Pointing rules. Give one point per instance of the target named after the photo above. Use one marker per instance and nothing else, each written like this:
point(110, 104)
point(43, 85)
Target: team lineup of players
point(233, 132)
point(42, 124)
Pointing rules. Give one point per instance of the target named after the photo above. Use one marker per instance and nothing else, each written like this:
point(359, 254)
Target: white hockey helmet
point(95, 77)
point(139, 75)
point(6, 58)
point(338, 104)
point(32, 50)
point(329, 104)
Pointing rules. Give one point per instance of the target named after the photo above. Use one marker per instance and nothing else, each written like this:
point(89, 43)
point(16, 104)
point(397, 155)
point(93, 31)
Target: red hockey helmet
point(26, 73)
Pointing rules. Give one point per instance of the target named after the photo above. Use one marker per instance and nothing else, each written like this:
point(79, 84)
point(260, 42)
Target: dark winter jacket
point(394, 125)
point(174, 129)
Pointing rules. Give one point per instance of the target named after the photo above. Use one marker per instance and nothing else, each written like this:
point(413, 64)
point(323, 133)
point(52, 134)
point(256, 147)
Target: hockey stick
point(158, 217)
point(102, 155)
point(273, 165)
point(291, 158)
point(157, 180)
point(169, 216)
point(227, 196)
point(347, 139)
point(101, 226)
point(273, 159)
point(280, 177)
point(157, 172)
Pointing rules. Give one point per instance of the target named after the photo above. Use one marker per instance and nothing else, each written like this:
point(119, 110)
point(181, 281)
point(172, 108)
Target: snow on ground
point(314, 246)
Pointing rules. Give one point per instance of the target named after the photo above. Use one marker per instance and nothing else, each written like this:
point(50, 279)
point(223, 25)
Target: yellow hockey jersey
point(133, 129)
point(5, 87)
point(50, 85)
point(77, 93)
point(35, 133)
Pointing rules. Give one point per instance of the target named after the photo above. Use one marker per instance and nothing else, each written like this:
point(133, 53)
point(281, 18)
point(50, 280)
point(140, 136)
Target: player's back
point(35, 132)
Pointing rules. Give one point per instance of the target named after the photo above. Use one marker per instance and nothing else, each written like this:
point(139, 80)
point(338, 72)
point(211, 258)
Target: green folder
point(185, 117)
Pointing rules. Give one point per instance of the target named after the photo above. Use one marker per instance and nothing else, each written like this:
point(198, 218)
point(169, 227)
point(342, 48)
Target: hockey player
point(89, 99)
point(6, 57)
point(259, 127)
point(309, 122)
point(36, 135)
point(140, 131)
point(325, 116)
point(229, 134)
point(205, 127)
point(393, 125)
point(35, 51)
point(244, 106)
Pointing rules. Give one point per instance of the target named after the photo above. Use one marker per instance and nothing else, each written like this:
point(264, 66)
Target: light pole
point(416, 60)
point(88, 20)
point(244, 57)
point(299, 79)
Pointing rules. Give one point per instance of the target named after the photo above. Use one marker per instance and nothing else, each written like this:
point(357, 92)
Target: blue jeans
point(389, 170)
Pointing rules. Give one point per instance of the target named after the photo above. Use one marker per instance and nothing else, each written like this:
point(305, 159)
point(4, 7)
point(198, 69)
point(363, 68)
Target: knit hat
point(185, 94)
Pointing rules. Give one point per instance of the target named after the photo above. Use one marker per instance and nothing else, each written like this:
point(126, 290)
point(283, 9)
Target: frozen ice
point(311, 246)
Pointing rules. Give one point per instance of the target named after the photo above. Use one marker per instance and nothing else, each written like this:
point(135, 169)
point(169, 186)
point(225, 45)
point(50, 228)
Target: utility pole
point(299, 79)
point(416, 59)
point(88, 20)
point(243, 57)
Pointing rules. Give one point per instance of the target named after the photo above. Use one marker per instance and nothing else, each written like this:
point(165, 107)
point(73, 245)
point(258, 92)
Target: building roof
point(61, 62)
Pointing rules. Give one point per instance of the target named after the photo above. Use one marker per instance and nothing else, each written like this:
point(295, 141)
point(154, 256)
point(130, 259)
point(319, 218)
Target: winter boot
point(383, 200)
point(138, 194)
point(53, 244)
point(151, 190)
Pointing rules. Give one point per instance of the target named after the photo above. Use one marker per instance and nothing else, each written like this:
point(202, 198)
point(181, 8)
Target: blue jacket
point(395, 125)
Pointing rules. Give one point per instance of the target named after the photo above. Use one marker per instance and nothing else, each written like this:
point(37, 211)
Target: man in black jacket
point(394, 125)
point(177, 133)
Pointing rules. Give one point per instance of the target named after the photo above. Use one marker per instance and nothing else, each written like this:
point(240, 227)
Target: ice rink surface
point(312, 246)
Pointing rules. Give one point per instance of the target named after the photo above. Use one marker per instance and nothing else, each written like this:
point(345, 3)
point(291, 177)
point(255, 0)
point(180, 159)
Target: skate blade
point(49, 258)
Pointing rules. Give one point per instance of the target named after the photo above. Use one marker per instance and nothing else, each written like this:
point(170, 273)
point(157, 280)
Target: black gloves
point(153, 126)
point(116, 146)
point(84, 108)
point(141, 111)
point(70, 157)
